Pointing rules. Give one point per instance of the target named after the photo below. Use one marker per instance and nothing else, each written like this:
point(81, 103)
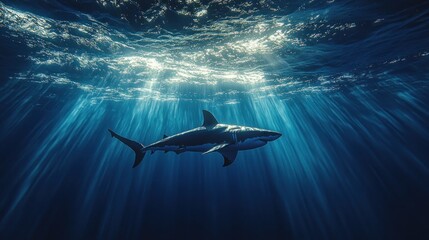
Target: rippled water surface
point(345, 82)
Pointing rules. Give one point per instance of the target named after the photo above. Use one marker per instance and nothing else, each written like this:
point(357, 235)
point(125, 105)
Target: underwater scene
point(310, 119)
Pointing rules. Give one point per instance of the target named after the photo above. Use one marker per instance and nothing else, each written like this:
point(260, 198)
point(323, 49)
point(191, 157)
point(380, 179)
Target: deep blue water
point(346, 82)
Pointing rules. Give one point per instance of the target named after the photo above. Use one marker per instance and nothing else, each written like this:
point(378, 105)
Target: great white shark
point(210, 137)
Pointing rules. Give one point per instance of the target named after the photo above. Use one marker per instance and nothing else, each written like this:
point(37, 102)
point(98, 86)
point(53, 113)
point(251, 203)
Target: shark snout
point(271, 135)
point(276, 135)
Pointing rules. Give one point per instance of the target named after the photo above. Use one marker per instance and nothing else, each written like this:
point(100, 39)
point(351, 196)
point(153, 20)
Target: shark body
point(210, 137)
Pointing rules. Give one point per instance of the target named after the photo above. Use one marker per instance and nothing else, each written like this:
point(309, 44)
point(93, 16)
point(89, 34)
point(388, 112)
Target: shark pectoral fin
point(228, 156)
point(216, 148)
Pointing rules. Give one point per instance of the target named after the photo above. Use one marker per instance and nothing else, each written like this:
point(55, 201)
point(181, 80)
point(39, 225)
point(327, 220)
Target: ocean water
point(345, 82)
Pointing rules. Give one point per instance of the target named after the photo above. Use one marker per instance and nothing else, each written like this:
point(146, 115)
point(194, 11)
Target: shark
point(211, 137)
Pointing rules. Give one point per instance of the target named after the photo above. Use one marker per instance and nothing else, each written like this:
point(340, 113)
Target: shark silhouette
point(210, 137)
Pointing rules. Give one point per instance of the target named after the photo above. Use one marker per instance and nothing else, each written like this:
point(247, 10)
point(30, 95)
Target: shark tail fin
point(135, 146)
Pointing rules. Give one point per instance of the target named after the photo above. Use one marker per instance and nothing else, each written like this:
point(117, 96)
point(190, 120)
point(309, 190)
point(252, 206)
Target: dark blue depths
point(345, 82)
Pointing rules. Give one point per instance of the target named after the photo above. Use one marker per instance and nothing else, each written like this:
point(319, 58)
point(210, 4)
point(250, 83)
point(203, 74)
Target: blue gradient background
point(348, 90)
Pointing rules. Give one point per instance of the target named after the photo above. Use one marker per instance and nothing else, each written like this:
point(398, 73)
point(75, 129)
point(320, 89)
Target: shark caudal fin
point(135, 146)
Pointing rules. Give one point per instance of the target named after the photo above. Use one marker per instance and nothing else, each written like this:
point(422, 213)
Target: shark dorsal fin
point(209, 119)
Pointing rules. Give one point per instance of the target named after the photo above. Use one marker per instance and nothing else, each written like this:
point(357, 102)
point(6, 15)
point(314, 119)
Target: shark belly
point(196, 148)
point(199, 148)
point(250, 144)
